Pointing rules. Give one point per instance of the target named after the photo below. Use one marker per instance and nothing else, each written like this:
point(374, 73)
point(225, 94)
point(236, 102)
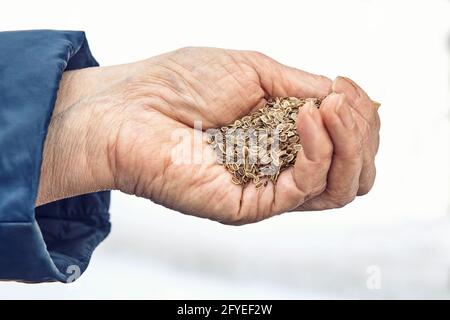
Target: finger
point(369, 127)
point(308, 177)
point(277, 79)
point(357, 98)
point(367, 178)
point(368, 172)
point(343, 177)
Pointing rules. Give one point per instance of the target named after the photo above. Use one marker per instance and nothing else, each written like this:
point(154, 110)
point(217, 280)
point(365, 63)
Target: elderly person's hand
point(114, 128)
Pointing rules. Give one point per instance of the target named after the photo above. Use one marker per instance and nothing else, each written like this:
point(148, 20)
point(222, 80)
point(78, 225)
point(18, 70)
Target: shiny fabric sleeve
point(53, 242)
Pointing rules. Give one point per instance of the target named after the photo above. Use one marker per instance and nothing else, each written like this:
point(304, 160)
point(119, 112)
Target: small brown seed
point(264, 143)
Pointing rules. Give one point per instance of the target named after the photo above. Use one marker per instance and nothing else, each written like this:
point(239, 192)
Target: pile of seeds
point(259, 146)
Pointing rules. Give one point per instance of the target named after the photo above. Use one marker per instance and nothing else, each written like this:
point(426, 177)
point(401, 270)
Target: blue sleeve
point(53, 242)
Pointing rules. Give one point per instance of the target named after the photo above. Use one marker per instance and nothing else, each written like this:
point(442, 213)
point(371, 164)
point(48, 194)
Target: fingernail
point(345, 114)
point(314, 112)
point(306, 122)
point(346, 86)
point(377, 104)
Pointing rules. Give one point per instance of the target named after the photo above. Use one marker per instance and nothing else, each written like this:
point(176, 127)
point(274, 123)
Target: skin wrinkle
point(58, 160)
point(188, 87)
point(159, 107)
point(61, 105)
point(169, 164)
point(260, 82)
point(218, 205)
point(49, 171)
point(70, 150)
point(165, 168)
point(274, 206)
point(272, 83)
point(111, 138)
point(365, 189)
point(239, 65)
point(257, 210)
point(269, 210)
point(340, 195)
point(167, 104)
point(89, 136)
point(136, 185)
point(112, 146)
point(279, 72)
point(168, 85)
point(304, 194)
point(120, 165)
point(162, 86)
point(232, 74)
point(228, 72)
point(337, 201)
point(141, 190)
point(196, 104)
point(179, 73)
point(238, 215)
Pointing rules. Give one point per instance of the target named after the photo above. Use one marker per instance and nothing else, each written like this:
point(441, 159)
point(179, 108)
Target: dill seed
point(259, 146)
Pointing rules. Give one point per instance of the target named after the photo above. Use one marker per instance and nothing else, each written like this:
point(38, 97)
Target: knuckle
point(373, 118)
point(325, 153)
point(365, 128)
point(257, 54)
point(324, 159)
point(340, 199)
point(317, 190)
point(355, 146)
point(354, 143)
point(260, 57)
point(342, 202)
point(186, 49)
point(363, 190)
point(365, 187)
point(312, 192)
point(323, 78)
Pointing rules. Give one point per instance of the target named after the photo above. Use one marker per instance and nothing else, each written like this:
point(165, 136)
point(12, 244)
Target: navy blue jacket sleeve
point(53, 242)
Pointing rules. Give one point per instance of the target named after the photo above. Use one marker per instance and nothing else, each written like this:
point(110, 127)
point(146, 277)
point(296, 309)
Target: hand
point(114, 128)
point(352, 171)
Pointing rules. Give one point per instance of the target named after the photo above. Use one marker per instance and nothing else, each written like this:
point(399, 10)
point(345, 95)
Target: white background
point(397, 50)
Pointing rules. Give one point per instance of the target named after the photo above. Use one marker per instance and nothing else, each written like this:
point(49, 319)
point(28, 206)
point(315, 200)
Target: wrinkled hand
point(120, 127)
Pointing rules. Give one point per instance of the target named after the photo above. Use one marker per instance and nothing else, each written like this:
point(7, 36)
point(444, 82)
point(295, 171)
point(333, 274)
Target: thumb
point(277, 79)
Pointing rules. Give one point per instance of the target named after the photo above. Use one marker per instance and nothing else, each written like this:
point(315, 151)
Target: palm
point(215, 87)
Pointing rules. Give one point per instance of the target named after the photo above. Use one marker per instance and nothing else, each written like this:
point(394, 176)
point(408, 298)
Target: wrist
point(75, 156)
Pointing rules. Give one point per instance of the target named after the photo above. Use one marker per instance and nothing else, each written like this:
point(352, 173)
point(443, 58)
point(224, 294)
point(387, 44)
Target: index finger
point(357, 97)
